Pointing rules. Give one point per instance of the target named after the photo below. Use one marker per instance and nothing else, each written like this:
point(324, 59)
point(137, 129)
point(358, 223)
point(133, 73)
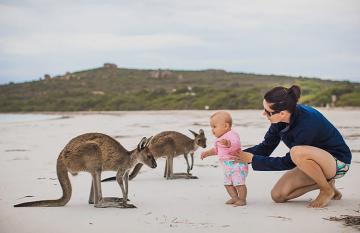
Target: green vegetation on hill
point(130, 89)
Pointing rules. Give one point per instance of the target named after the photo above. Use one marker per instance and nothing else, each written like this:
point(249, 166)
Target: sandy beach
point(29, 149)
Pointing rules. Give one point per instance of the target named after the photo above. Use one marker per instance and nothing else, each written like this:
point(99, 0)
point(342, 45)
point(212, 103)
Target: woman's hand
point(225, 143)
point(243, 157)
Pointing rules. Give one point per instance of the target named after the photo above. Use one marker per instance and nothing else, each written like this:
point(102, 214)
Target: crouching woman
point(318, 153)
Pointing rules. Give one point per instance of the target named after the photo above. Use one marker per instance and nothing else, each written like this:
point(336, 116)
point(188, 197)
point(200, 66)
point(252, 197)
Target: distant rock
point(110, 65)
point(47, 77)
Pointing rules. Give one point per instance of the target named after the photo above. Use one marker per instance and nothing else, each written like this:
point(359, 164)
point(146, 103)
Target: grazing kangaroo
point(170, 144)
point(94, 153)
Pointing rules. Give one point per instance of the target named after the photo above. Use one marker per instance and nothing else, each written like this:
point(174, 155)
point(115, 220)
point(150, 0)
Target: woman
point(318, 153)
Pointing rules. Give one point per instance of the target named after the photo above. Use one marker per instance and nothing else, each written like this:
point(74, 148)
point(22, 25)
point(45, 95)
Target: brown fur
point(170, 144)
point(94, 153)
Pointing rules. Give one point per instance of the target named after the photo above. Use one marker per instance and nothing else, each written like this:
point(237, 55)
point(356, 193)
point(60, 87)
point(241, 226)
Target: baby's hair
point(227, 116)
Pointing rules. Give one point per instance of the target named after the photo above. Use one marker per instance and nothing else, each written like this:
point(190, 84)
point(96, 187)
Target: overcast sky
point(298, 37)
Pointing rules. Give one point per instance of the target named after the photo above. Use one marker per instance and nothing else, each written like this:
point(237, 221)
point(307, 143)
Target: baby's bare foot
point(231, 201)
point(240, 203)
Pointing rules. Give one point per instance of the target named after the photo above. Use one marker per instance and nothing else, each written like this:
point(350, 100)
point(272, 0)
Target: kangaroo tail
point(131, 176)
point(64, 180)
point(109, 179)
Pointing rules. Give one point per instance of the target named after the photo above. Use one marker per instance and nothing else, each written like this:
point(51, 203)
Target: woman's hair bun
point(295, 92)
point(282, 98)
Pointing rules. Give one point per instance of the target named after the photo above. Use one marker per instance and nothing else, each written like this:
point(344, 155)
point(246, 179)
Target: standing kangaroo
point(94, 153)
point(170, 144)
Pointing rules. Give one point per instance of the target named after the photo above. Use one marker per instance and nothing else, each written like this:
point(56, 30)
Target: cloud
point(260, 34)
point(43, 44)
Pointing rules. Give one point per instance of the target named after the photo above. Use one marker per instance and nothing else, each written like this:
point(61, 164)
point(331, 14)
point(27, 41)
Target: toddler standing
point(226, 144)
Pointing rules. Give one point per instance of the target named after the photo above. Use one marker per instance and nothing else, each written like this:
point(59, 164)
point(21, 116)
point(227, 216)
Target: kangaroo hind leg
point(104, 199)
point(96, 188)
point(180, 175)
point(91, 196)
point(170, 169)
point(99, 201)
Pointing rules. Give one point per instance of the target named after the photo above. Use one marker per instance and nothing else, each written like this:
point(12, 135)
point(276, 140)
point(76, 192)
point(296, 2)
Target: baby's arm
point(207, 153)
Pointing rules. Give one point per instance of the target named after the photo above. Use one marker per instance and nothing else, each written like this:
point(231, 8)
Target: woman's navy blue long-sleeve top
point(307, 127)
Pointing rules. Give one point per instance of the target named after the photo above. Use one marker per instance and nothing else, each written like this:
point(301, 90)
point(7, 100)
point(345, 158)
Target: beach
point(29, 148)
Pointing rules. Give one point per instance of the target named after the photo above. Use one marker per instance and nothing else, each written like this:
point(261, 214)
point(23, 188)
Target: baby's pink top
point(226, 153)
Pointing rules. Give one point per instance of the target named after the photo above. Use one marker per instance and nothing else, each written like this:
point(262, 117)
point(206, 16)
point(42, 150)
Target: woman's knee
point(277, 196)
point(297, 154)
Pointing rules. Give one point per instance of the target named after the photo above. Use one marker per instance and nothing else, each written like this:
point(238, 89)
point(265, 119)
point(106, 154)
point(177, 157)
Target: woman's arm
point(270, 142)
point(264, 163)
point(261, 163)
point(258, 155)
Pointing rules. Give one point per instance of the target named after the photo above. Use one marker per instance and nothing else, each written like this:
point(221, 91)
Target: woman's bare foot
point(240, 203)
point(323, 198)
point(337, 195)
point(231, 201)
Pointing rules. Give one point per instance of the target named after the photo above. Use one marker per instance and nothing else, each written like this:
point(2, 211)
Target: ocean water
point(26, 117)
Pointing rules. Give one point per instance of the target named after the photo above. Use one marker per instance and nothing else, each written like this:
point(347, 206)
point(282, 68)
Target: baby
point(226, 144)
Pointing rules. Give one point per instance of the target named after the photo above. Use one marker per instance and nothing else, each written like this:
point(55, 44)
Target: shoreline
point(170, 110)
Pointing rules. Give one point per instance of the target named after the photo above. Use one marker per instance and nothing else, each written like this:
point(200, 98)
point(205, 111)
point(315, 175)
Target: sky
point(310, 38)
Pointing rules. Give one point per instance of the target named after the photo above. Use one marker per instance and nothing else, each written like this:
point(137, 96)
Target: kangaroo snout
point(154, 164)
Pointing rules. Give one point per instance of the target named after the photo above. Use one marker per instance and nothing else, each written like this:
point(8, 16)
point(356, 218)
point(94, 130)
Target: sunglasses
point(271, 113)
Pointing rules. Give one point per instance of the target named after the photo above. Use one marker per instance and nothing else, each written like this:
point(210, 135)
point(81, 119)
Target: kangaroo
point(170, 144)
point(94, 153)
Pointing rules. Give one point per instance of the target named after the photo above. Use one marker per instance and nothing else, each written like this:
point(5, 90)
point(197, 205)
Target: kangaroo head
point(200, 138)
point(144, 155)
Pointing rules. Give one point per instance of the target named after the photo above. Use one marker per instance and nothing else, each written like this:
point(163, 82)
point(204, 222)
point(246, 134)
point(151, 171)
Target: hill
point(112, 88)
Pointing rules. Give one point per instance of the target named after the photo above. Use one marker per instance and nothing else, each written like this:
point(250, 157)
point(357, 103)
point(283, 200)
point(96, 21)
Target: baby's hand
point(225, 143)
point(203, 155)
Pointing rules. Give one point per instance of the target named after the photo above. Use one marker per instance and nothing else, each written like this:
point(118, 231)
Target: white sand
point(29, 151)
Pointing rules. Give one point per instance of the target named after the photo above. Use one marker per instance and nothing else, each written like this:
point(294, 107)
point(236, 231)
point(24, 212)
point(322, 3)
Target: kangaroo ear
point(201, 131)
point(195, 134)
point(142, 143)
point(148, 141)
